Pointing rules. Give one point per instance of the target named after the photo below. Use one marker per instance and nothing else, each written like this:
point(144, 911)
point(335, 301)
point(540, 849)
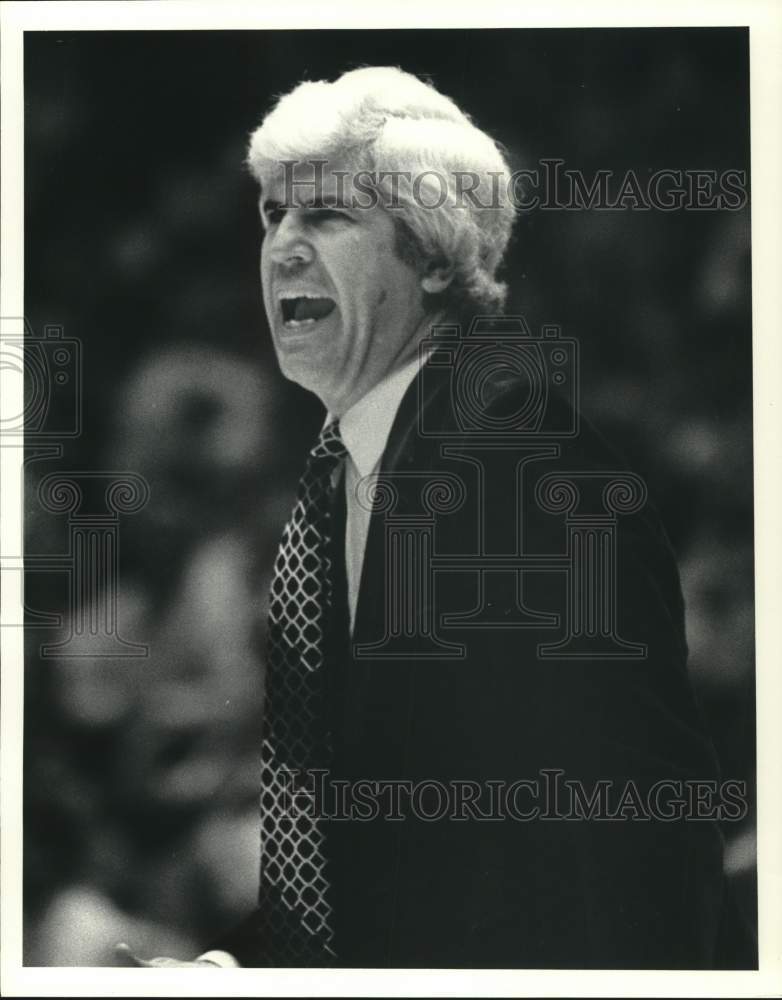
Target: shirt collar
point(366, 425)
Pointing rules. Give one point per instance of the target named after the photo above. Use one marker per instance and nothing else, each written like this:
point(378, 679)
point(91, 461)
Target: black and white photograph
point(383, 547)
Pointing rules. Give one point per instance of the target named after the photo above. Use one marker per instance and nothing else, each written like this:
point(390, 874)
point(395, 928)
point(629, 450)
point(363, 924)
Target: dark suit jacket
point(543, 892)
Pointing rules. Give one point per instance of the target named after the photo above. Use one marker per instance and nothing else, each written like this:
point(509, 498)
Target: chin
point(306, 377)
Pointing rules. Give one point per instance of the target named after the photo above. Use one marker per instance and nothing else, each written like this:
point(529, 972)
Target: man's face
point(343, 308)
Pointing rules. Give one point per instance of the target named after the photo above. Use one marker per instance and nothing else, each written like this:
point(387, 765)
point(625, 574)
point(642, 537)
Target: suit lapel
point(407, 449)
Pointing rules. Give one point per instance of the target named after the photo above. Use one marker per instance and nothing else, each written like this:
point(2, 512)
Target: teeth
point(299, 311)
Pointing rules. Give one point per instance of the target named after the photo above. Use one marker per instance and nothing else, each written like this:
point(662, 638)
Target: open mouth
point(301, 311)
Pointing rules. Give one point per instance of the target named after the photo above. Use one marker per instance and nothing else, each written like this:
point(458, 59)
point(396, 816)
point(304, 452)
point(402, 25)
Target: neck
point(407, 353)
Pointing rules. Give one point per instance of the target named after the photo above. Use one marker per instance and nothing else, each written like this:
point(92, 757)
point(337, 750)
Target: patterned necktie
point(293, 900)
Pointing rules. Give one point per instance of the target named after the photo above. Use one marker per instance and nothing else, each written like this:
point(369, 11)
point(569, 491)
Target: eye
point(274, 215)
point(328, 214)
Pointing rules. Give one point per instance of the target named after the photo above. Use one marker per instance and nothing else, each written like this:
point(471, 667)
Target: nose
point(289, 245)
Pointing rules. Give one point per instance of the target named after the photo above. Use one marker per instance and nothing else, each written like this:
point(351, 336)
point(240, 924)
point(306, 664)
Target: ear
point(437, 276)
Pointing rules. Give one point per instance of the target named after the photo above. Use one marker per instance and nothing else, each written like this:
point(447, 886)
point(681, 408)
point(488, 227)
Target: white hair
point(380, 118)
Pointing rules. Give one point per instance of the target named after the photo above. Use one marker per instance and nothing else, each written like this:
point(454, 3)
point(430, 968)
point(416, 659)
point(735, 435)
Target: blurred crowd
point(141, 772)
point(149, 764)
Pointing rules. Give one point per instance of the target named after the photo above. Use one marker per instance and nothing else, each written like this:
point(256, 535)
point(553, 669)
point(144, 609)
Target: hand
point(128, 958)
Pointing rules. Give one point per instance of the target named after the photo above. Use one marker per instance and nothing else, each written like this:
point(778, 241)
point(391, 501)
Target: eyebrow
point(270, 204)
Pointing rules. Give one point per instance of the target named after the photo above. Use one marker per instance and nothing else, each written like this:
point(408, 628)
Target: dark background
point(142, 243)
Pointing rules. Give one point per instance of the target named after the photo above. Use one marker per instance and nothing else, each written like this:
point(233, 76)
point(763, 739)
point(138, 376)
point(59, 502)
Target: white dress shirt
point(365, 428)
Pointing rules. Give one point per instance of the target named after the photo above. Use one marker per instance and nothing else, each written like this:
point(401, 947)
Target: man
point(472, 599)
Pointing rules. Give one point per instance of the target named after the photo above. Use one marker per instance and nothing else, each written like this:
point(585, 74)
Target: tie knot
point(330, 444)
